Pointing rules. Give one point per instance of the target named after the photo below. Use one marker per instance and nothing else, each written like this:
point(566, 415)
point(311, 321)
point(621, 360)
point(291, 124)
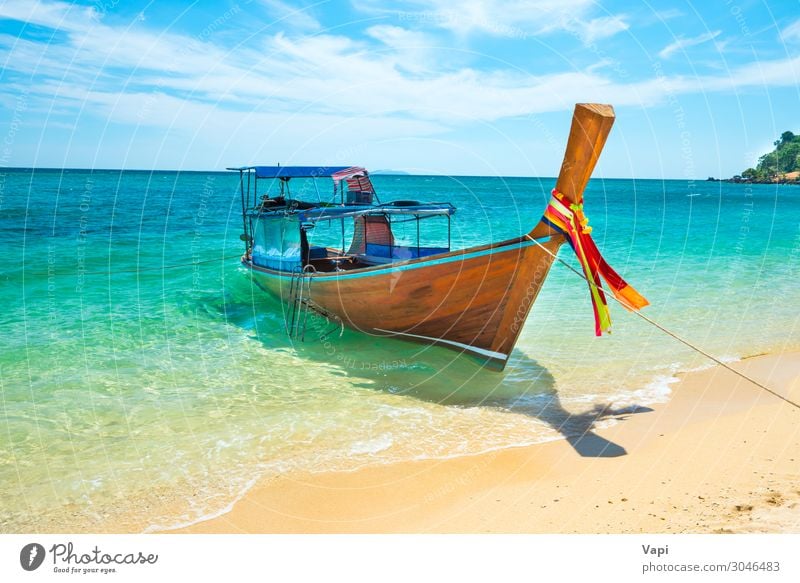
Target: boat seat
point(370, 229)
point(317, 253)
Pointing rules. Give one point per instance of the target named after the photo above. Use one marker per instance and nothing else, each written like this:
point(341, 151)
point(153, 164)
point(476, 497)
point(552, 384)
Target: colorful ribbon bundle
point(568, 219)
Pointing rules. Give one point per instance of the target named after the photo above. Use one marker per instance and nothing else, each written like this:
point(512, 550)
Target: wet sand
point(721, 456)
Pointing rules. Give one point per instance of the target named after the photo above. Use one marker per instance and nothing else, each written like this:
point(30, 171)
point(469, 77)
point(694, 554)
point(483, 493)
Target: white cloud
point(398, 37)
point(597, 29)
point(387, 83)
point(412, 50)
point(55, 15)
point(509, 18)
point(791, 33)
point(776, 73)
point(683, 43)
point(298, 18)
point(668, 14)
point(325, 75)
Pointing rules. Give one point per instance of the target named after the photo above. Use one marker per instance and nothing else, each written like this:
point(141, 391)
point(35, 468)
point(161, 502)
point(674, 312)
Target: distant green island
point(782, 165)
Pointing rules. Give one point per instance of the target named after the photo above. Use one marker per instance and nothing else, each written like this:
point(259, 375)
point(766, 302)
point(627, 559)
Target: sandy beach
point(722, 456)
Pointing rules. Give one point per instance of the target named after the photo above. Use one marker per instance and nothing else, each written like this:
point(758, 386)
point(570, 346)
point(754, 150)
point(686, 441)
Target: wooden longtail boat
point(473, 300)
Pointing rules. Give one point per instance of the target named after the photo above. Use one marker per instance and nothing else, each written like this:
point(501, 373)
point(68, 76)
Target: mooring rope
point(163, 267)
point(670, 332)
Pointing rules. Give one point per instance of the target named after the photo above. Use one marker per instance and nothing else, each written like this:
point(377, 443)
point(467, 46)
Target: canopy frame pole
point(244, 211)
point(449, 244)
point(417, 217)
point(391, 230)
point(248, 189)
point(319, 198)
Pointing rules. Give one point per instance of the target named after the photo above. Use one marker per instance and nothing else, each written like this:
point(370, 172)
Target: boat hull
point(473, 300)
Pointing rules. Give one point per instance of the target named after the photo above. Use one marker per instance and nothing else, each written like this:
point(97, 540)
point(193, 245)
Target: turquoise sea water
point(146, 382)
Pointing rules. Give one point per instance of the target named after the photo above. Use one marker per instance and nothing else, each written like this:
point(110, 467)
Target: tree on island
point(750, 174)
point(783, 159)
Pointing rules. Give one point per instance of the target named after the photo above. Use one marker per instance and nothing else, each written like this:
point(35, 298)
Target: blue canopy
point(293, 171)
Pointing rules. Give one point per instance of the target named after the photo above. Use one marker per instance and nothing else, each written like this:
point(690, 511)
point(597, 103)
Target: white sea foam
point(372, 446)
point(210, 515)
point(656, 391)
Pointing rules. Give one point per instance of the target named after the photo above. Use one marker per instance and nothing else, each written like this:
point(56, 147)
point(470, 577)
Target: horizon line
point(386, 172)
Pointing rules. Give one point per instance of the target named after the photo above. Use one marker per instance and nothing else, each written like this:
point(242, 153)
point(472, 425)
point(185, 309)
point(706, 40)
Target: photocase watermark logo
point(66, 558)
point(31, 556)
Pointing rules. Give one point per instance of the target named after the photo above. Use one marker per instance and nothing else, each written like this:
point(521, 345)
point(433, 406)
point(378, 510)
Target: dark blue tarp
point(293, 171)
point(402, 252)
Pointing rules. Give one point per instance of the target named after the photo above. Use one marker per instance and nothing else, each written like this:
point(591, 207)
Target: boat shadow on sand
point(441, 376)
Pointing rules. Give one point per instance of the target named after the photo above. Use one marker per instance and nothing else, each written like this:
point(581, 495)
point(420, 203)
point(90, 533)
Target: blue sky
point(470, 87)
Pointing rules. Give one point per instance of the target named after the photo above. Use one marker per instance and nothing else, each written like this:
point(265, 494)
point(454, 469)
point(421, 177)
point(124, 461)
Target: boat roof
point(321, 213)
point(300, 171)
point(330, 212)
